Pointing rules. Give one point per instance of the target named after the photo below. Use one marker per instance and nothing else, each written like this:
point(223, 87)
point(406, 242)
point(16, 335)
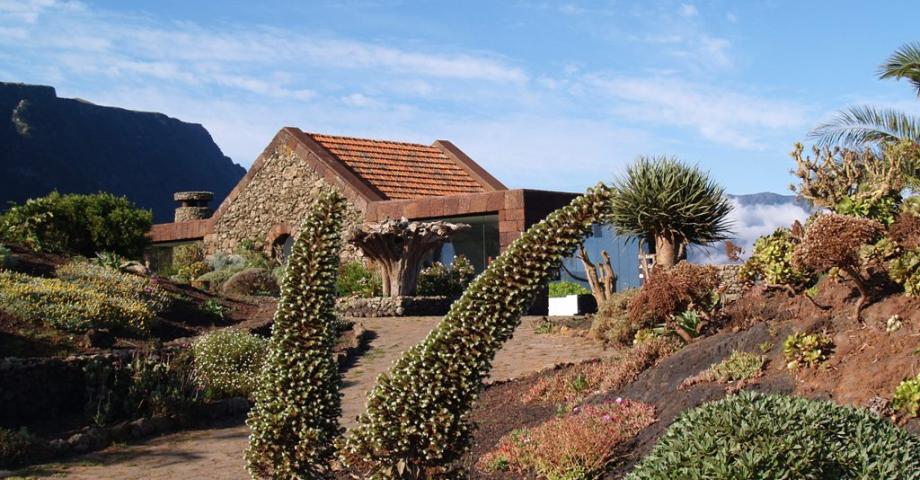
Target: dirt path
point(216, 453)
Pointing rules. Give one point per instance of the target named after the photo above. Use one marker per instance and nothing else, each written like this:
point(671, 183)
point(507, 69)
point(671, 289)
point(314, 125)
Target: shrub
point(806, 349)
point(440, 280)
point(220, 261)
point(110, 260)
point(355, 279)
point(253, 255)
point(78, 224)
point(144, 385)
point(214, 279)
point(564, 289)
point(417, 419)
point(905, 231)
point(214, 308)
point(250, 282)
point(577, 446)
point(671, 292)
point(756, 436)
point(227, 362)
point(835, 241)
point(905, 271)
point(581, 380)
point(884, 209)
point(17, 448)
point(611, 324)
point(906, 398)
point(70, 306)
point(6, 257)
point(772, 261)
point(294, 419)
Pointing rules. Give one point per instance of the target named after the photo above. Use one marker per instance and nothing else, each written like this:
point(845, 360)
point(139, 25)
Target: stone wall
point(729, 283)
point(273, 203)
point(393, 306)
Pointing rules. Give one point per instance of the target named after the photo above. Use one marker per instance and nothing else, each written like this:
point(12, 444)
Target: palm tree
point(661, 200)
point(866, 125)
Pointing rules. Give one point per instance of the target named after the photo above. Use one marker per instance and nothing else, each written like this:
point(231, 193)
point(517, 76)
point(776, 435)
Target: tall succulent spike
point(417, 421)
point(295, 419)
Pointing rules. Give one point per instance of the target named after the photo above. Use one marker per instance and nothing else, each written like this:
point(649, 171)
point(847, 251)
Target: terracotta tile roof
point(401, 170)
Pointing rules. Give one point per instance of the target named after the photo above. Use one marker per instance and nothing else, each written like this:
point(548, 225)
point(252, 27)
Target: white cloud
point(751, 222)
point(723, 116)
point(28, 11)
point(688, 10)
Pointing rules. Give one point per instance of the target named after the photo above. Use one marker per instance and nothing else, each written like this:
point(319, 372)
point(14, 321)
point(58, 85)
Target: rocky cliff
point(73, 146)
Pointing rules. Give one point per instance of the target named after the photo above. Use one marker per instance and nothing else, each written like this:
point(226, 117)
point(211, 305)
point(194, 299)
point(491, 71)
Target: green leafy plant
point(417, 421)
point(78, 224)
point(564, 289)
point(6, 257)
point(441, 280)
point(906, 398)
point(905, 271)
point(738, 366)
point(574, 447)
point(214, 308)
point(228, 362)
point(294, 420)
point(109, 260)
point(806, 349)
point(675, 204)
point(772, 261)
point(884, 209)
point(356, 280)
point(767, 437)
point(17, 448)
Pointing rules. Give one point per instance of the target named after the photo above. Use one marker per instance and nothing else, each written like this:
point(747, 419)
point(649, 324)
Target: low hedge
point(757, 436)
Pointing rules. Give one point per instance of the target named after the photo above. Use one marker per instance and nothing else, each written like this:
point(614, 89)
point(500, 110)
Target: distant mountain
point(769, 198)
point(73, 146)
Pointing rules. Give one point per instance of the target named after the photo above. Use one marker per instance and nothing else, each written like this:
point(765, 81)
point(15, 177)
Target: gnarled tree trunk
point(601, 278)
point(398, 247)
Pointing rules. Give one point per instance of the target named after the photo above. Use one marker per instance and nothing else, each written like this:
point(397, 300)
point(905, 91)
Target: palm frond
point(864, 124)
point(903, 63)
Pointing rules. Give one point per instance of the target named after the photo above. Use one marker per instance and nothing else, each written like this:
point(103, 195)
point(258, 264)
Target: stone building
point(380, 179)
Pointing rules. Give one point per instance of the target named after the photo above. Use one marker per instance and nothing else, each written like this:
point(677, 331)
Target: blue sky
point(543, 94)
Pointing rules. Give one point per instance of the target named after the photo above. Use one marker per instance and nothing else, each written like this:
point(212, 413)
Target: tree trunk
point(666, 251)
point(604, 284)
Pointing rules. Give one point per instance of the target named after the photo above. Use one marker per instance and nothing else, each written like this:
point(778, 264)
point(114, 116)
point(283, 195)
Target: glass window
point(479, 243)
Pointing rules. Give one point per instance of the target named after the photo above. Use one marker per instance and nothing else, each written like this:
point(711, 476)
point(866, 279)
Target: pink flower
point(606, 418)
point(619, 400)
point(576, 410)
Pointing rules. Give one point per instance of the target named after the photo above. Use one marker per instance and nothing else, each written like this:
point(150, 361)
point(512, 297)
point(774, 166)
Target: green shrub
point(70, 306)
point(228, 362)
point(440, 280)
point(738, 366)
point(6, 257)
point(577, 446)
point(611, 323)
point(564, 289)
point(214, 279)
point(356, 280)
point(771, 261)
point(294, 420)
point(78, 224)
point(905, 271)
point(214, 308)
point(884, 209)
point(906, 398)
point(806, 349)
point(110, 260)
point(417, 420)
point(17, 448)
point(756, 436)
point(253, 255)
point(250, 282)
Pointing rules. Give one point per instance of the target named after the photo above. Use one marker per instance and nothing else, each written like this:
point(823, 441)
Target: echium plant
point(294, 420)
point(417, 421)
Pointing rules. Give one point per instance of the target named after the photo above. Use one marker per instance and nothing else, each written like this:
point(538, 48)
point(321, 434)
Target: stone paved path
point(217, 453)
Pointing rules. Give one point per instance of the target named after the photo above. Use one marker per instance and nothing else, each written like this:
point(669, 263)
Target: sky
point(549, 95)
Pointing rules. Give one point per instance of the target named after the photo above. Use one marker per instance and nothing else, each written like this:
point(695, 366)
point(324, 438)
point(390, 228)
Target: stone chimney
point(192, 205)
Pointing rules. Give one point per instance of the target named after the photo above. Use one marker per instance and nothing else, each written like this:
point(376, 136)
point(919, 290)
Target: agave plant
point(674, 205)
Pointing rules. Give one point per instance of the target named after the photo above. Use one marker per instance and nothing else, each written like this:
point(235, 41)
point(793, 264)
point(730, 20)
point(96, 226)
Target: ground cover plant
point(227, 362)
point(757, 436)
point(417, 420)
point(579, 381)
point(772, 262)
point(78, 224)
point(564, 289)
point(806, 349)
point(737, 367)
point(906, 398)
point(17, 447)
point(295, 416)
point(578, 446)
